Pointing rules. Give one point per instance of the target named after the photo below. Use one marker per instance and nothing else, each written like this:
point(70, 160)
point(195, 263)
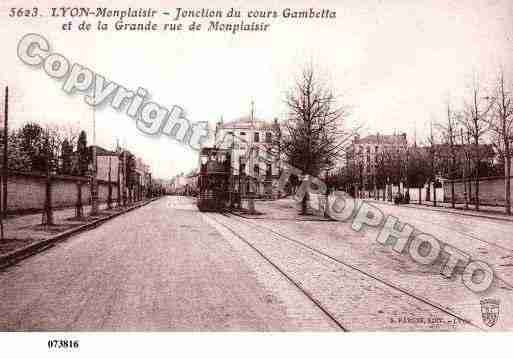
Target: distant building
point(179, 183)
point(165, 186)
point(363, 155)
point(107, 163)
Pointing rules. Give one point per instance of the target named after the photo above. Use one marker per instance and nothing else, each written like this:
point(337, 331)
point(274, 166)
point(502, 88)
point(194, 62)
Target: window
point(243, 133)
point(256, 171)
point(256, 137)
point(268, 172)
point(268, 137)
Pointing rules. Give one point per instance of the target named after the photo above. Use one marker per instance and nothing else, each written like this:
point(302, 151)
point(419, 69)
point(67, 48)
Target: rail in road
point(274, 235)
point(297, 284)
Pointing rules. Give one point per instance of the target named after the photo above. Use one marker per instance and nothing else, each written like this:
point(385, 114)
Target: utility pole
point(94, 181)
point(251, 201)
point(48, 211)
point(109, 198)
point(5, 163)
point(432, 140)
point(6, 144)
point(463, 175)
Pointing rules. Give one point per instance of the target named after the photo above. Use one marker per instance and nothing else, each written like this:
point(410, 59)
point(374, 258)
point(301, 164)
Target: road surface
point(168, 267)
point(160, 267)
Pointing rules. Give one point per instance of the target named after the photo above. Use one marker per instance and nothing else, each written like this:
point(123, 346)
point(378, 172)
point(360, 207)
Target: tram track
point(473, 237)
point(322, 254)
point(295, 283)
point(468, 235)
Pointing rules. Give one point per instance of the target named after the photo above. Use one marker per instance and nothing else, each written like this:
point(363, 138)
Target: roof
point(246, 122)
point(382, 139)
point(100, 151)
point(485, 150)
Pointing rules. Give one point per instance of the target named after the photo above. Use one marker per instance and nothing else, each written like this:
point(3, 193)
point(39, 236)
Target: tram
point(214, 179)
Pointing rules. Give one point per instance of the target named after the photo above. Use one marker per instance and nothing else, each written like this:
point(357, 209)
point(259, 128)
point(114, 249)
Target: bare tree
point(475, 120)
point(449, 131)
point(314, 136)
point(432, 150)
point(501, 125)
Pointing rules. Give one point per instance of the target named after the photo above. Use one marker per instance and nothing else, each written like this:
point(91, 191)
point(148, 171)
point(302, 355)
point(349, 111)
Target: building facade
point(368, 157)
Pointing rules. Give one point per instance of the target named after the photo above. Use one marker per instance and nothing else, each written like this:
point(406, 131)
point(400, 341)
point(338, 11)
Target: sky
point(394, 64)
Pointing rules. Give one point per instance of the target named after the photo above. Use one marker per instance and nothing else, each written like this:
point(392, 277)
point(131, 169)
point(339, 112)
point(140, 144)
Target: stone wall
point(27, 191)
point(491, 191)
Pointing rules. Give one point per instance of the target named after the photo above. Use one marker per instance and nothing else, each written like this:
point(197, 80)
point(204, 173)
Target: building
point(367, 155)
point(163, 186)
point(142, 177)
point(108, 164)
point(254, 155)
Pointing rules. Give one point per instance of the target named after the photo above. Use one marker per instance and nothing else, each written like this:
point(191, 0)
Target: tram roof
point(210, 150)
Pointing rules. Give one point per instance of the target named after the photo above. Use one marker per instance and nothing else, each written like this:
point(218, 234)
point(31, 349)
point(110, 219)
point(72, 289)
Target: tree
point(475, 121)
point(313, 134)
point(43, 145)
point(82, 154)
point(33, 145)
point(501, 125)
point(432, 152)
point(17, 158)
point(131, 175)
point(418, 169)
point(449, 132)
point(66, 154)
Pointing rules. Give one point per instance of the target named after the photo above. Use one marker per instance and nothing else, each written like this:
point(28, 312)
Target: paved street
point(160, 267)
point(167, 266)
point(482, 238)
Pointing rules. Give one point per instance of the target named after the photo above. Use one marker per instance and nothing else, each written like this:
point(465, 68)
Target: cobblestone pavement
point(166, 266)
point(484, 239)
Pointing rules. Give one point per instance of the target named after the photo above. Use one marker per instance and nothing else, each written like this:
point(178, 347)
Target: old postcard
point(255, 166)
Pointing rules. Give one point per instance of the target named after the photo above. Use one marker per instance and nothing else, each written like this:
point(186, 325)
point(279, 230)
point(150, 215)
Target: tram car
point(213, 179)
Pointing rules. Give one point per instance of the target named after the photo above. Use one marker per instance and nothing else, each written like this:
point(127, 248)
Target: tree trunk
point(453, 200)
point(119, 191)
point(507, 179)
point(304, 204)
point(469, 191)
point(477, 189)
point(478, 160)
point(434, 194)
point(109, 195)
point(48, 211)
point(79, 208)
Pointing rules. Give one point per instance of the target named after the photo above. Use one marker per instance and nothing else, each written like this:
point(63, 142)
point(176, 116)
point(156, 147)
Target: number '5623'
point(23, 12)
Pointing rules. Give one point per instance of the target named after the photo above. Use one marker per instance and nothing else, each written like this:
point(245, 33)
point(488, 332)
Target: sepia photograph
point(295, 168)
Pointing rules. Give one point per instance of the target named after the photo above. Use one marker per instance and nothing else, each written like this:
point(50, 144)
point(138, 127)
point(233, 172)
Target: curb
point(18, 255)
point(445, 210)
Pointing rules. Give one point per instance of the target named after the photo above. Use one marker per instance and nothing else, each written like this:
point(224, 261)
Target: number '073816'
point(63, 344)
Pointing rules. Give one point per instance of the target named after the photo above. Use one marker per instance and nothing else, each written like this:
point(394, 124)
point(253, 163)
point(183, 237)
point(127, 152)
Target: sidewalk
point(26, 230)
point(286, 209)
point(282, 210)
point(491, 212)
